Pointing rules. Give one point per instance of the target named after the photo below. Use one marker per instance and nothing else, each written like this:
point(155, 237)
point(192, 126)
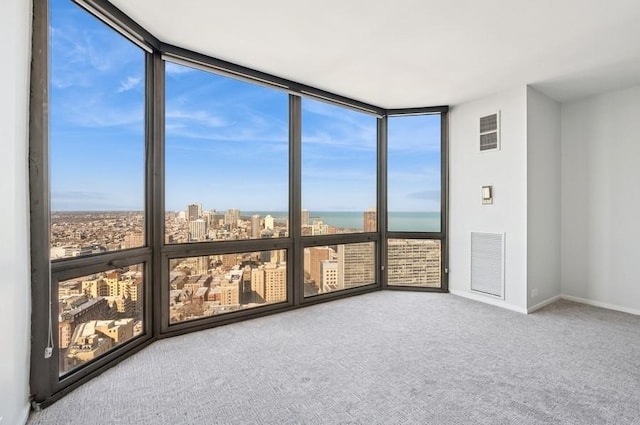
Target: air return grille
point(487, 263)
point(490, 132)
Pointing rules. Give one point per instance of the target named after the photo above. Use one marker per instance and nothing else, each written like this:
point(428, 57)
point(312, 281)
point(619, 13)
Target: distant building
point(316, 255)
point(231, 218)
point(268, 222)
point(202, 265)
point(230, 294)
point(94, 338)
point(305, 217)
point(319, 228)
point(194, 212)
point(278, 256)
point(329, 276)
point(370, 220)
point(270, 283)
point(197, 230)
point(133, 240)
point(414, 262)
point(255, 226)
point(356, 264)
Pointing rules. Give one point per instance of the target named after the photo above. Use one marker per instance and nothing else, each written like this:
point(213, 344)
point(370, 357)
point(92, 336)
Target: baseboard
point(601, 304)
point(488, 300)
point(544, 303)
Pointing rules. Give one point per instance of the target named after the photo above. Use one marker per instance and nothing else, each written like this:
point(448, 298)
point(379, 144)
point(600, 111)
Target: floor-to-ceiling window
point(415, 200)
point(172, 192)
point(226, 186)
point(339, 197)
point(94, 181)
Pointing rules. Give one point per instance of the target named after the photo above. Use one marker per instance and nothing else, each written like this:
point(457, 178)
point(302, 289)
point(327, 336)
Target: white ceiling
point(408, 53)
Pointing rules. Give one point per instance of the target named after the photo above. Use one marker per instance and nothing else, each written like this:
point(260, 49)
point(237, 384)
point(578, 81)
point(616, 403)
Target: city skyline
point(226, 140)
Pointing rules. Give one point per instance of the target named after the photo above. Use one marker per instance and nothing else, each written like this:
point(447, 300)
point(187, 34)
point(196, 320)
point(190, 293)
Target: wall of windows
point(186, 192)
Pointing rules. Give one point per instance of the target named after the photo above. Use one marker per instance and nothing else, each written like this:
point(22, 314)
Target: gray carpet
point(382, 358)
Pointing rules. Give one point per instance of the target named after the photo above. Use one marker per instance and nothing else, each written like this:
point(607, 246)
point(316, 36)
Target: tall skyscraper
point(255, 226)
point(356, 264)
point(197, 230)
point(305, 217)
point(231, 218)
point(370, 220)
point(268, 222)
point(194, 212)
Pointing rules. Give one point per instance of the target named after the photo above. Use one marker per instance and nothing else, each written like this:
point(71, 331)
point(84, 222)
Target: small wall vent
point(487, 263)
point(490, 132)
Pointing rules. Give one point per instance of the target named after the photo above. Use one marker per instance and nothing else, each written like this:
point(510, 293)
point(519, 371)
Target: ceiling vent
point(490, 132)
point(487, 263)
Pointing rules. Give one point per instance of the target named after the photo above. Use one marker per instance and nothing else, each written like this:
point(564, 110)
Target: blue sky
point(226, 140)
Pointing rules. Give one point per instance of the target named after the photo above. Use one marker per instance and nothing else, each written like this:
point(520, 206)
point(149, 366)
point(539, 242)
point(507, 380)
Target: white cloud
point(177, 116)
point(129, 83)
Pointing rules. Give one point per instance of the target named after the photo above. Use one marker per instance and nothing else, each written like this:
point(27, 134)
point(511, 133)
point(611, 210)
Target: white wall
point(601, 199)
point(506, 170)
point(543, 198)
point(15, 31)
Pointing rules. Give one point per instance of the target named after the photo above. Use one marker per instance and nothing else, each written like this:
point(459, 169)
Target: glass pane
point(338, 169)
point(99, 312)
point(96, 136)
point(414, 183)
point(216, 284)
point(414, 262)
point(227, 158)
point(337, 267)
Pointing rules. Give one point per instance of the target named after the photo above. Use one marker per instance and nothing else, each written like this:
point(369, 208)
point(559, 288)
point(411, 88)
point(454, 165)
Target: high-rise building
point(268, 222)
point(275, 283)
point(194, 212)
point(305, 217)
point(202, 265)
point(370, 220)
point(356, 264)
point(231, 218)
point(414, 262)
point(319, 228)
point(255, 226)
point(329, 276)
point(278, 256)
point(133, 240)
point(317, 254)
point(197, 230)
point(230, 294)
point(270, 283)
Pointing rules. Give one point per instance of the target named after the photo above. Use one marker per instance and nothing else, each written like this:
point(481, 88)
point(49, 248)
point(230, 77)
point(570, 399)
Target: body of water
point(398, 221)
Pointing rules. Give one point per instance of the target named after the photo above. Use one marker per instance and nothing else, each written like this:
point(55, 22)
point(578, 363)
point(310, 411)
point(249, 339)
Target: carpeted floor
point(382, 358)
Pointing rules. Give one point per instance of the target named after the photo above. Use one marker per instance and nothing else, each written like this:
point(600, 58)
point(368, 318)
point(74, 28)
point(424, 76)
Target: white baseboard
point(544, 303)
point(502, 304)
point(488, 300)
point(601, 304)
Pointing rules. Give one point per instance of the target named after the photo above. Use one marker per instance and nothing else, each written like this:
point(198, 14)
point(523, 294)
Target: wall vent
point(487, 263)
point(490, 132)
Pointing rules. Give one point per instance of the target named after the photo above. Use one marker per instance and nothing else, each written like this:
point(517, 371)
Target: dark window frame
point(46, 385)
point(444, 204)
